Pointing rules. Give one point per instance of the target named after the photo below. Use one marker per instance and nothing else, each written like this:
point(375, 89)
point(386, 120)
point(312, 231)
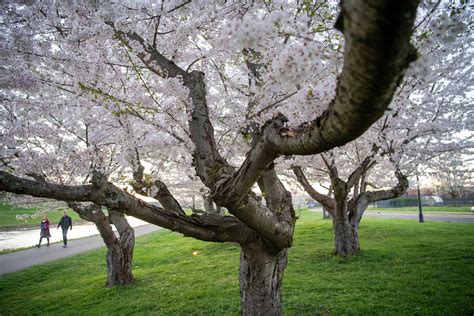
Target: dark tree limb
point(363, 167)
point(392, 193)
point(163, 195)
point(205, 227)
point(359, 204)
point(325, 200)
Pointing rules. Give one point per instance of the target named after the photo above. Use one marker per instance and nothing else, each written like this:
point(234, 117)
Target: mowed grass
point(405, 268)
point(8, 215)
point(447, 209)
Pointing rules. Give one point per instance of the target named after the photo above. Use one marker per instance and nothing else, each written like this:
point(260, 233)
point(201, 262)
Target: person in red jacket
point(44, 232)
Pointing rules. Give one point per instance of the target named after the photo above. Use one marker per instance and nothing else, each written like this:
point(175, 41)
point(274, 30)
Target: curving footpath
point(437, 217)
point(431, 216)
point(20, 260)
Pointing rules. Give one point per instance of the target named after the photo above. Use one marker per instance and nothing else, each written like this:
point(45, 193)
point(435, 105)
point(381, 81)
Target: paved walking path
point(467, 218)
point(438, 217)
point(20, 260)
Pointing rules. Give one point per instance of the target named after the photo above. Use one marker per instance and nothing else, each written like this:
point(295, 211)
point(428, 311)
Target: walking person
point(65, 223)
point(44, 232)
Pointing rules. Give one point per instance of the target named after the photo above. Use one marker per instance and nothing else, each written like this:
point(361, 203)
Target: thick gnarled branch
point(204, 227)
point(377, 51)
point(359, 204)
point(392, 193)
point(362, 169)
point(326, 201)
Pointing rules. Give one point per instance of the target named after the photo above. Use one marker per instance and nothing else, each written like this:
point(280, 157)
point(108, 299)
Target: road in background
point(438, 217)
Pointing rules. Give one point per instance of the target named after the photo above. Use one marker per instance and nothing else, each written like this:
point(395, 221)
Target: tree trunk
point(345, 225)
point(209, 206)
point(261, 275)
point(120, 254)
point(119, 251)
point(346, 241)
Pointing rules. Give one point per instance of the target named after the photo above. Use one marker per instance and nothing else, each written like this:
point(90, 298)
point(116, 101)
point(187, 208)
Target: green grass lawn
point(405, 268)
point(8, 215)
point(448, 209)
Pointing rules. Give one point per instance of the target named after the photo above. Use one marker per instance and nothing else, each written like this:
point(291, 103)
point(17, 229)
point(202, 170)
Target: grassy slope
point(406, 268)
point(8, 215)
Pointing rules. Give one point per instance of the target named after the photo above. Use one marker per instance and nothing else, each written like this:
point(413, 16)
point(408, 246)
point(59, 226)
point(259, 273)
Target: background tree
point(428, 108)
point(455, 177)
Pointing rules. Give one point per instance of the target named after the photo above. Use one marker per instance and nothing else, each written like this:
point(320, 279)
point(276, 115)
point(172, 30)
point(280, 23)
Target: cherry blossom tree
point(351, 180)
point(417, 132)
point(455, 177)
point(223, 88)
point(52, 154)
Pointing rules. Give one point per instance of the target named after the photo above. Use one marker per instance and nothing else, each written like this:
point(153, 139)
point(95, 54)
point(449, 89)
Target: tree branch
point(394, 192)
point(377, 51)
point(361, 169)
point(92, 212)
point(151, 57)
point(326, 201)
point(205, 227)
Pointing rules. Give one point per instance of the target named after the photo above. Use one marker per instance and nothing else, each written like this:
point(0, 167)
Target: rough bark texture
point(261, 275)
point(122, 256)
point(119, 251)
point(346, 232)
point(346, 241)
point(209, 207)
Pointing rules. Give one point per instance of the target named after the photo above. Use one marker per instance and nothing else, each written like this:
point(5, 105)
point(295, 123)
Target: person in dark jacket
point(65, 223)
point(44, 232)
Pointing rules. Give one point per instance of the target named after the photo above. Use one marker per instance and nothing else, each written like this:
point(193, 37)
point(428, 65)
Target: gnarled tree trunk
point(119, 250)
point(346, 241)
point(120, 255)
point(261, 275)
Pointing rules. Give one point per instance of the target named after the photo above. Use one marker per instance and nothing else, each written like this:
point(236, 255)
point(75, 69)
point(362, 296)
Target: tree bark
point(120, 260)
point(119, 251)
point(377, 50)
point(261, 275)
point(219, 210)
point(346, 232)
point(346, 229)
